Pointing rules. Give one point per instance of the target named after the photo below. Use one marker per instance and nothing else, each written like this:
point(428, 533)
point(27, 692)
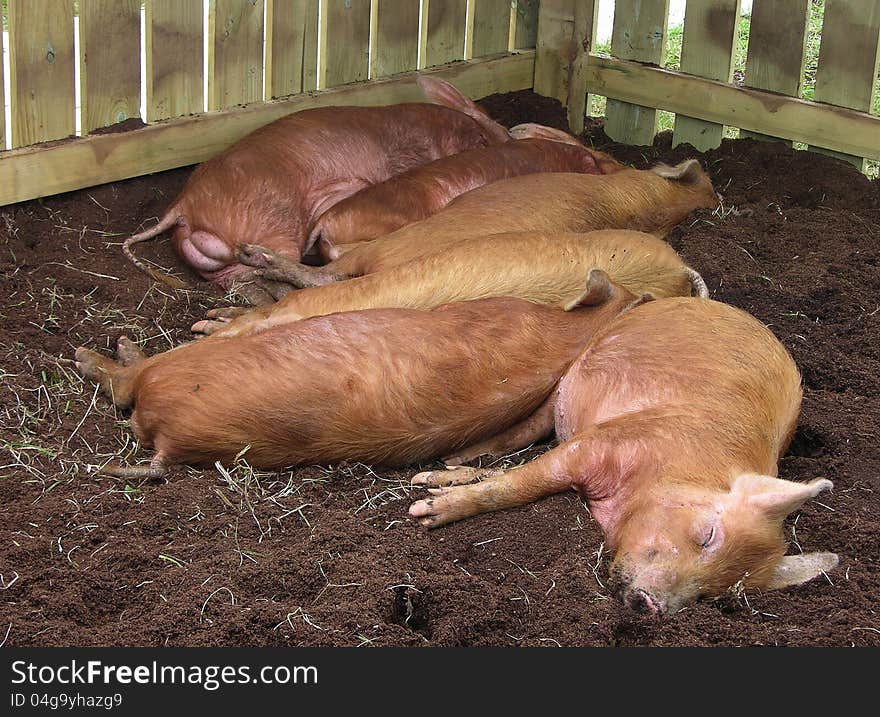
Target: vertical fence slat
point(41, 69)
point(639, 34)
point(110, 61)
point(584, 35)
point(526, 30)
point(396, 43)
point(848, 59)
point(554, 48)
point(491, 32)
point(345, 44)
point(174, 45)
point(707, 50)
point(2, 98)
point(235, 53)
point(446, 24)
point(291, 46)
point(777, 41)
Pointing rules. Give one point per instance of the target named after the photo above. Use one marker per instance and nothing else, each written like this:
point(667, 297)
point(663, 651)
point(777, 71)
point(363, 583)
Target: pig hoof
point(227, 313)
point(128, 352)
point(444, 506)
point(254, 255)
point(206, 328)
point(89, 363)
point(451, 476)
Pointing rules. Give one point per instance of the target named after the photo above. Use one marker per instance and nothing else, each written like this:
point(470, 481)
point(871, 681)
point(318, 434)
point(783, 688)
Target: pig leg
point(115, 379)
point(218, 319)
point(532, 429)
point(553, 472)
point(276, 267)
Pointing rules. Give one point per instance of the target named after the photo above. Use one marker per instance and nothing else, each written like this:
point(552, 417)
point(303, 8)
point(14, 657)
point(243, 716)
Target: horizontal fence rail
point(202, 73)
point(765, 103)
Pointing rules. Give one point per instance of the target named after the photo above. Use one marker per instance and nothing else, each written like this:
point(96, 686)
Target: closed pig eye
point(708, 537)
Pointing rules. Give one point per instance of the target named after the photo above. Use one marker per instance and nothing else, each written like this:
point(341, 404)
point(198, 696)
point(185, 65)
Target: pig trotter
point(551, 473)
point(128, 353)
point(275, 267)
point(454, 476)
point(218, 319)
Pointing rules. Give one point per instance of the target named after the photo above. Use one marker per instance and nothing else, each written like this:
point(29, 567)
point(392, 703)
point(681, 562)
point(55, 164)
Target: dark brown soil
point(318, 557)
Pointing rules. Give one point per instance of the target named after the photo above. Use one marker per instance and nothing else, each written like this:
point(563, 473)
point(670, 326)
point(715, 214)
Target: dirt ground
point(329, 557)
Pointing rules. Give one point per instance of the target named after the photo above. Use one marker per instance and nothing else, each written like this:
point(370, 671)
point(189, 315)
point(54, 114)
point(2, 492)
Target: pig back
point(544, 202)
point(707, 367)
point(382, 386)
point(269, 186)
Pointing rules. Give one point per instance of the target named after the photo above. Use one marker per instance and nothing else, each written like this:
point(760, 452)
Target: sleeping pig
point(542, 267)
point(420, 192)
point(651, 201)
point(671, 424)
point(271, 186)
point(387, 386)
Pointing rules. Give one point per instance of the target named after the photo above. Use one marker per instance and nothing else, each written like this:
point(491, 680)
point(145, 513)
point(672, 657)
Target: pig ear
point(776, 496)
point(599, 289)
point(798, 569)
point(687, 172)
point(530, 130)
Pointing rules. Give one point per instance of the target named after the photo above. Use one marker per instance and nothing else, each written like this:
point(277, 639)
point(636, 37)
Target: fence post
point(708, 41)
point(555, 48)
point(639, 34)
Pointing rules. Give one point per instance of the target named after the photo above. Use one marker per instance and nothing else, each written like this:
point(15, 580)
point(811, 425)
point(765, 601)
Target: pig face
point(687, 542)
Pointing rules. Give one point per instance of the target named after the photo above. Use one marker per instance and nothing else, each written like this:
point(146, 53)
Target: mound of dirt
point(329, 557)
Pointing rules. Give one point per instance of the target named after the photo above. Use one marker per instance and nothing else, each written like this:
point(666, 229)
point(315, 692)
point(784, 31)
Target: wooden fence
point(215, 71)
point(703, 95)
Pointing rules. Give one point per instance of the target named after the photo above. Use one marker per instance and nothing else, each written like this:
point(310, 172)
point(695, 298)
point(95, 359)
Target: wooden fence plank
point(445, 38)
point(235, 53)
point(99, 158)
point(41, 60)
point(708, 41)
point(771, 114)
point(345, 42)
point(555, 48)
point(491, 33)
point(174, 42)
point(584, 37)
point(110, 61)
point(848, 59)
point(291, 46)
point(639, 33)
point(526, 24)
point(396, 40)
point(2, 98)
point(777, 39)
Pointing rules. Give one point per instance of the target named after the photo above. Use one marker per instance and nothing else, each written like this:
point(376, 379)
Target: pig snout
point(641, 602)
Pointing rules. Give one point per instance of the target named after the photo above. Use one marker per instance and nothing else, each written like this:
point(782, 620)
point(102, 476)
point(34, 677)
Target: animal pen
point(213, 72)
point(129, 94)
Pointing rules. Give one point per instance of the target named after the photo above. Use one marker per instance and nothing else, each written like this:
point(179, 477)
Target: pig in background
point(383, 386)
point(651, 201)
point(541, 267)
point(420, 192)
point(671, 424)
point(271, 186)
